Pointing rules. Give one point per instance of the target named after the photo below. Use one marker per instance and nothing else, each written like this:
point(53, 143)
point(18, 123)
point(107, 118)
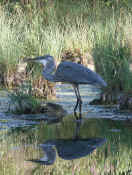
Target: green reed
point(102, 31)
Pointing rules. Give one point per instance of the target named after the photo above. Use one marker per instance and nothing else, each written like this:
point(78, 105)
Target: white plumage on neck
point(49, 68)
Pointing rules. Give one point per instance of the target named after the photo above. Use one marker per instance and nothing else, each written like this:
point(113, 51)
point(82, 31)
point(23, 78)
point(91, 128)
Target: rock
point(31, 106)
point(122, 100)
point(52, 109)
point(49, 112)
point(125, 102)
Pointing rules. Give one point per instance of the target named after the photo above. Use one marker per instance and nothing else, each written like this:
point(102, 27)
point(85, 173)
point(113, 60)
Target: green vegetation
point(22, 100)
point(100, 28)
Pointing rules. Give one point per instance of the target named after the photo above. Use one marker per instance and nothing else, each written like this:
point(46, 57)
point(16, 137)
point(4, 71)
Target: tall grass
point(10, 47)
point(102, 31)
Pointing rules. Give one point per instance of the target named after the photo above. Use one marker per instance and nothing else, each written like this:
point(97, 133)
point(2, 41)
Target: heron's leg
point(80, 103)
point(75, 89)
point(77, 100)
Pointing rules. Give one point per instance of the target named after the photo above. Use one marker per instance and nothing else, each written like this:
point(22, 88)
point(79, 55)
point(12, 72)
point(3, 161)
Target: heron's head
point(41, 59)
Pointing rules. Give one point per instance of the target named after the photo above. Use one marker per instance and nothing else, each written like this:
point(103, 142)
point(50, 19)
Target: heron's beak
point(30, 60)
point(36, 60)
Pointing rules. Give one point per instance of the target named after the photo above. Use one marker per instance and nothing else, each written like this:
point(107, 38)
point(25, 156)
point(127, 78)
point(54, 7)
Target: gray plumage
point(69, 72)
point(68, 149)
point(77, 74)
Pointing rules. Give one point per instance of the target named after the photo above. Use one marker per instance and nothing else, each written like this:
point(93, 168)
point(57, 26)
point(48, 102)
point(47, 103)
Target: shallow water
point(67, 98)
point(96, 146)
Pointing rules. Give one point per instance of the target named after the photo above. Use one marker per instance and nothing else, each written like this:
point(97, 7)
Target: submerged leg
point(77, 130)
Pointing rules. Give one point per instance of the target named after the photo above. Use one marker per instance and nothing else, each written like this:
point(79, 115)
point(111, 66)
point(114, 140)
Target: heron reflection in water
point(69, 72)
point(68, 149)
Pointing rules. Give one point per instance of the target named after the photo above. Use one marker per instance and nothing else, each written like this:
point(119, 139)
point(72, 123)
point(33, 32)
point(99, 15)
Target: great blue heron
point(69, 72)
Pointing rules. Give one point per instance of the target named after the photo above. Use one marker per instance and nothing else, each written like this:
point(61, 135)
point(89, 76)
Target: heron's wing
point(76, 73)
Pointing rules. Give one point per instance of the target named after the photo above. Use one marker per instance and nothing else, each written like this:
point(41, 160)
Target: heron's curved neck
point(48, 73)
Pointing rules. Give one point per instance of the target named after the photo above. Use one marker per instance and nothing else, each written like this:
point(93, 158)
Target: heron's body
point(69, 72)
point(75, 74)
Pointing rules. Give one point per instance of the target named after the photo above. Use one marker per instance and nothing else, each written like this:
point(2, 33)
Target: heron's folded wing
point(74, 73)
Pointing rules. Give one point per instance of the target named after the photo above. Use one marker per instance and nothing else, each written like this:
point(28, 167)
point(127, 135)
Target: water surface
point(101, 144)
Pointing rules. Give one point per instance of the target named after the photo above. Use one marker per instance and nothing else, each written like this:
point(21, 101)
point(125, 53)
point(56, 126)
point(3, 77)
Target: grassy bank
point(101, 29)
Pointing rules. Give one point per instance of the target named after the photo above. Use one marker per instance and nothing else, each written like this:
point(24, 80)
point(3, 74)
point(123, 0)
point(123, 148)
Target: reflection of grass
point(114, 158)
